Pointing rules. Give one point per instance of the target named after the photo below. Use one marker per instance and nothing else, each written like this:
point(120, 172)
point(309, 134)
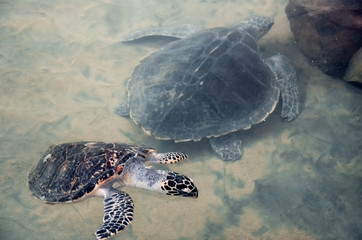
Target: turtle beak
point(194, 193)
point(190, 191)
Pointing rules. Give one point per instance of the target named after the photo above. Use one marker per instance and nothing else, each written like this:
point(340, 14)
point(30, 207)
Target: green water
point(63, 70)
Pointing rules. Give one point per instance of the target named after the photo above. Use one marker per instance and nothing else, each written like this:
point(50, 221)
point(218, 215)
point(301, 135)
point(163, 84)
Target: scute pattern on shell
point(208, 85)
point(68, 172)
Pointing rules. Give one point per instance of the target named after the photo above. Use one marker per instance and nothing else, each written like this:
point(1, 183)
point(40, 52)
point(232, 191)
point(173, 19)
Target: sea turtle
point(210, 84)
point(71, 172)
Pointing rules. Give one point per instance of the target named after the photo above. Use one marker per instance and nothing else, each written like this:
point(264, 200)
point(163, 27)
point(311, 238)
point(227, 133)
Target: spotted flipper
point(118, 213)
point(167, 158)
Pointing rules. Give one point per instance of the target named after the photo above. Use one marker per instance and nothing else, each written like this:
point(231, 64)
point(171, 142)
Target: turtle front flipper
point(287, 80)
point(183, 31)
point(118, 213)
point(229, 147)
point(166, 158)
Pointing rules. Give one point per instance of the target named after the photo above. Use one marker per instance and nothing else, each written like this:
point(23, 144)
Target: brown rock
point(328, 32)
point(354, 71)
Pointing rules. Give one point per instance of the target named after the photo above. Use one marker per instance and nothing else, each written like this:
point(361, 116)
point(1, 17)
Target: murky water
point(63, 70)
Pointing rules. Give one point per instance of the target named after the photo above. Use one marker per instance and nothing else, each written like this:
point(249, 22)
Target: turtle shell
point(207, 85)
point(69, 172)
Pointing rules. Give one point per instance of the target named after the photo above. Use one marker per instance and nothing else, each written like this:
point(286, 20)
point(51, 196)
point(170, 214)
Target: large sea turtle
point(210, 84)
point(71, 172)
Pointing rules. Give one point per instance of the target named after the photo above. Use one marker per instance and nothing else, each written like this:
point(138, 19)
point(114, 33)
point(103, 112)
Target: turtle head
point(179, 185)
point(135, 174)
point(257, 26)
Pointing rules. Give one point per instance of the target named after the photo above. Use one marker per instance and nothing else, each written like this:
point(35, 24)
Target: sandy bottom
point(63, 70)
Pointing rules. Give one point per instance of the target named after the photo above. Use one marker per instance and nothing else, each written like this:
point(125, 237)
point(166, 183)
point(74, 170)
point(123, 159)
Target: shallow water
point(63, 71)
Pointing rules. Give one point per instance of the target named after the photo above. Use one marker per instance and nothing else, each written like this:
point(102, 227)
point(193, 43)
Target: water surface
point(63, 70)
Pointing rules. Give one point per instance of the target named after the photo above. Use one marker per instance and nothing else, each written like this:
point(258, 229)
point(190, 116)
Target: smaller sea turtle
point(71, 172)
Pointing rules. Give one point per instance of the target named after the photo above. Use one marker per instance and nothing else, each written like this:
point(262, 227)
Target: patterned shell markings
point(78, 170)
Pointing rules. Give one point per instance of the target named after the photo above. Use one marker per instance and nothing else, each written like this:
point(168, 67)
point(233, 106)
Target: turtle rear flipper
point(229, 147)
point(118, 213)
point(122, 109)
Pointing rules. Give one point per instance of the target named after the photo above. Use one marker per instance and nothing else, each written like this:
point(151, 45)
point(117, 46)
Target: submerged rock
point(354, 71)
point(328, 32)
